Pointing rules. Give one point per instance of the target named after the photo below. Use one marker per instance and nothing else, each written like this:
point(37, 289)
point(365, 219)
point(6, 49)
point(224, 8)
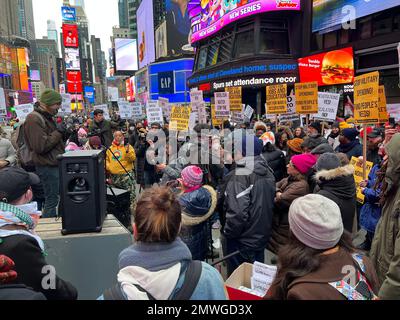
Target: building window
point(244, 44)
point(330, 39)
point(212, 54)
point(364, 28)
point(382, 24)
point(225, 49)
point(201, 63)
point(274, 42)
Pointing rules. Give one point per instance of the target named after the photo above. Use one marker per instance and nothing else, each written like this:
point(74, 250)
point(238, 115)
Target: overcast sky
point(102, 15)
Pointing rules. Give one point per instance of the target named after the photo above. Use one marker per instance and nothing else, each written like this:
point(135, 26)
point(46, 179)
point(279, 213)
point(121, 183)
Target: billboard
point(23, 68)
point(72, 60)
point(70, 35)
point(130, 89)
point(329, 14)
point(126, 55)
point(166, 82)
point(145, 24)
point(74, 82)
point(89, 94)
point(329, 68)
point(161, 41)
point(35, 75)
point(211, 16)
point(178, 26)
point(68, 14)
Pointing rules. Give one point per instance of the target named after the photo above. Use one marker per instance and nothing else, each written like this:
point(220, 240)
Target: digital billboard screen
point(35, 75)
point(74, 82)
point(70, 35)
point(126, 56)
point(178, 27)
point(68, 13)
point(208, 17)
point(330, 68)
point(145, 25)
point(72, 60)
point(329, 14)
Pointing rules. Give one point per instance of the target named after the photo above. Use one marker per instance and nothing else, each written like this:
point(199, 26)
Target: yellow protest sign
point(217, 122)
point(235, 98)
point(366, 98)
point(277, 99)
point(383, 115)
point(180, 117)
point(358, 175)
point(306, 97)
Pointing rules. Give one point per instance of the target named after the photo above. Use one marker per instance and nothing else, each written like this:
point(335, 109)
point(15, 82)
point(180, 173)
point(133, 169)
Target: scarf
point(25, 216)
point(344, 148)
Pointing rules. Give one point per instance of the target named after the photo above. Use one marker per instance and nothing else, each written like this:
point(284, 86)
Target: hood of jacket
point(248, 165)
point(198, 206)
point(339, 181)
point(393, 169)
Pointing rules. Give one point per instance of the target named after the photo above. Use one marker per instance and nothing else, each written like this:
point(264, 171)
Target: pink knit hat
point(304, 162)
point(192, 176)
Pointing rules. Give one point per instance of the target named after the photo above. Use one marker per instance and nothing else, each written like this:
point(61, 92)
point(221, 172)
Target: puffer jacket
point(43, 139)
point(385, 250)
point(371, 210)
point(248, 201)
point(291, 189)
point(198, 207)
point(339, 186)
point(277, 161)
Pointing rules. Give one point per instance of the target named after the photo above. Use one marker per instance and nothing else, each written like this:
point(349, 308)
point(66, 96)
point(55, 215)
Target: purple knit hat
point(192, 176)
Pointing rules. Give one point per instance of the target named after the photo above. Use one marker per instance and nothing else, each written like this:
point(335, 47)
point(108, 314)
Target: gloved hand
point(61, 128)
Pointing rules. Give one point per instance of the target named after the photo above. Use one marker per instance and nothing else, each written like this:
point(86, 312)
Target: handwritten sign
point(277, 99)
point(306, 97)
point(222, 103)
point(154, 113)
point(328, 104)
point(137, 110)
point(235, 98)
point(125, 110)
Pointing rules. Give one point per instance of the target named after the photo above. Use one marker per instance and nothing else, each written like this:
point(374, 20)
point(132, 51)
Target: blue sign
point(68, 14)
point(166, 82)
point(89, 94)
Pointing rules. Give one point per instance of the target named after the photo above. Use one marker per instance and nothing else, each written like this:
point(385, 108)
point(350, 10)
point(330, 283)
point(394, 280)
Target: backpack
point(24, 153)
point(192, 277)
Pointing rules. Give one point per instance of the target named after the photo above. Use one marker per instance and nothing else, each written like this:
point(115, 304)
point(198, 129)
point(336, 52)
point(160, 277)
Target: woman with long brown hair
point(319, 262)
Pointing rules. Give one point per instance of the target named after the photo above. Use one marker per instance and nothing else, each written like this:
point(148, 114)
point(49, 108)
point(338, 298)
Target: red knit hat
point(304, 162)
point(192, 176)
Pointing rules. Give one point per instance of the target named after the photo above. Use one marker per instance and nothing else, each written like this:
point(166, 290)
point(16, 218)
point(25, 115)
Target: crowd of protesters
point(284, 188)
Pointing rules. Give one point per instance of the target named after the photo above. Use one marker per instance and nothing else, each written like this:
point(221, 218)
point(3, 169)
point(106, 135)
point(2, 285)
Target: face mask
point(83, 141)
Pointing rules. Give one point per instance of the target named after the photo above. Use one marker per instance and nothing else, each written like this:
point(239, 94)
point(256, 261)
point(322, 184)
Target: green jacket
point(385, 251)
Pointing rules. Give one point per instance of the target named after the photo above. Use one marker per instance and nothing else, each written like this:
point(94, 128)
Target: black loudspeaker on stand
point(82, 191)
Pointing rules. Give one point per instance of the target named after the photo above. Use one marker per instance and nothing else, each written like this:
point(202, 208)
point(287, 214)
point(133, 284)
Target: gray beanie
point(316, 221)
point(328, 161)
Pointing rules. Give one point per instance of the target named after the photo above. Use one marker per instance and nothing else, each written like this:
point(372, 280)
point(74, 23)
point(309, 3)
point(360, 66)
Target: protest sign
point(383, 114)
point(193, 120)
point(65, 104)
point(248, 112)
point(394, 111)
point(154, 113)
point(3, 106)
point(277, 99)
point(180, 117)
point(23, 110)
point(306, 97)
point(366, 98)
point(125, 110)
point(137, 110)
point(217, 122)
point(358, 175)
point(222, 110)
point(235, 98)
point(237, 117)
point(196, 99)
point(202, 113)
point(291, 115)
point(104, 107)
point(328, 104)
point(165, 106)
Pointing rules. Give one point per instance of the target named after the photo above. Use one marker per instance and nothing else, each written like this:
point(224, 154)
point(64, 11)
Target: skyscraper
point(52, 33)
point(26, 20)
point(123, 13)
point(9, 23)
point(133, 6)
point(79, 3)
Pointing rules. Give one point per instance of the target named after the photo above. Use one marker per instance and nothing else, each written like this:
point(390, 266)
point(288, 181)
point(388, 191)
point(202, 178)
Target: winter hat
point(192, 176)
point(295, 145)
point(252, 152)
point(316, 126)
point(95, 141)
point(323, 148)
point(328, 161)
point(268, 137)
point(50, 97)
point(82, 133)
point(304, 162)
point(316, 221)
point(350, 134)
point(369, 131)
point(335, 125)
point(259, 125)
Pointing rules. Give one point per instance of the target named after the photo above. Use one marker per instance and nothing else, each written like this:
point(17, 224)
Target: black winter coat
point(339, 186)
point(29, 263)
point(248, 200)
point(277, 161)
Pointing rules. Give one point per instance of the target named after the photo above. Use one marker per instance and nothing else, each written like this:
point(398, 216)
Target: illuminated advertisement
point(178, 26)
point(210, 16)
point(89, 94)
point(68, 13)
point(74, 82)
point(145, 25)
point(23, 69)
point(328, 14)
point(72, 61)
point(35, 75)
point(333, 67)
point(70, 35)
point(130, 89)
point(126, 55)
